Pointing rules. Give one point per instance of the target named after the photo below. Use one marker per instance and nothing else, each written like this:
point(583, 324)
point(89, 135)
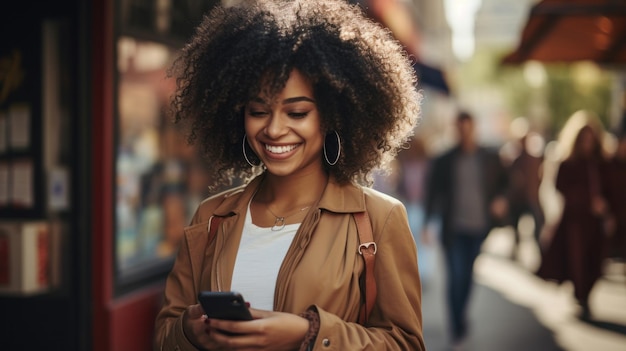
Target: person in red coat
point(577, 249)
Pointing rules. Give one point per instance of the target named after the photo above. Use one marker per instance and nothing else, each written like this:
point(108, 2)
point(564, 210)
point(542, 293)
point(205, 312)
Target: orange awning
point(574, 30)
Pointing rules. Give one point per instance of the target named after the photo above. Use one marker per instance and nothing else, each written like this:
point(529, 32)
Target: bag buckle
point(366, 246)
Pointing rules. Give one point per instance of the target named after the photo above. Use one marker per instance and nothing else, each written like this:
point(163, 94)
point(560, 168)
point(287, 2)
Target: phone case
point(228, 305)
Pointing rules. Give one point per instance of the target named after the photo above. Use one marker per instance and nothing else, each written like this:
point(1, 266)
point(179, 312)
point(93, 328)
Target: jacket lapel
point(340, 198)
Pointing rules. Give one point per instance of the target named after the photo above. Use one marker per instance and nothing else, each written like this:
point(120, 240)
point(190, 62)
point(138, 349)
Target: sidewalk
point(511, 309)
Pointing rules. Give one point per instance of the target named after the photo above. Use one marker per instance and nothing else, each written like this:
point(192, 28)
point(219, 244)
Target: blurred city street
point(511, 309)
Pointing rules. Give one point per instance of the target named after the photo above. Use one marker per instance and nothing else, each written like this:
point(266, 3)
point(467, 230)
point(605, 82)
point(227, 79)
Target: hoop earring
point(333, 148)
point(245, 155)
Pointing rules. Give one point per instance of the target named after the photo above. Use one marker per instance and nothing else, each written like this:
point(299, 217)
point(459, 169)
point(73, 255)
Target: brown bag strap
point(367, 249)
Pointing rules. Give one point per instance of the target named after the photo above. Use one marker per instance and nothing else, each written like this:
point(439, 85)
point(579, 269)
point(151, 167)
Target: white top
point(261, 253)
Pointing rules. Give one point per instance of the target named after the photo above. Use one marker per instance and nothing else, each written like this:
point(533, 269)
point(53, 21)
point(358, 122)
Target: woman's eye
point(255, 113)
point(298, 114)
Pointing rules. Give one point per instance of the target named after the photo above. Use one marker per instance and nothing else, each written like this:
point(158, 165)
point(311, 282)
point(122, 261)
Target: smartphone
point(228, 305)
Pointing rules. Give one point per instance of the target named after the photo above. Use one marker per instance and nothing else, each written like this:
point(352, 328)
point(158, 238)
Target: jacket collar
point(342, 198)
point(339, 198)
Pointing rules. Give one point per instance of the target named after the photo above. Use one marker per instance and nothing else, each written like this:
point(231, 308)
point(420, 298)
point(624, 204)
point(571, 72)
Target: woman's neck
point(287, 192)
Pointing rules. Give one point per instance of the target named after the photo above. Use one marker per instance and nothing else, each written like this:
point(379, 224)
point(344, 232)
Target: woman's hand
point(499, 207)
point(599, 206)
point(269, 330)
point(195, 326)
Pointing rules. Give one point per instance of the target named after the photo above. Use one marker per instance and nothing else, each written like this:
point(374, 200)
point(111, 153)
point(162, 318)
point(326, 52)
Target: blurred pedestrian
point(577, 248)
point(525, 176)
point(466, 188)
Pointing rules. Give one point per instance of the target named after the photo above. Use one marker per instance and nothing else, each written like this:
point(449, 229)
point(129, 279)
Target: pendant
point(279, 224)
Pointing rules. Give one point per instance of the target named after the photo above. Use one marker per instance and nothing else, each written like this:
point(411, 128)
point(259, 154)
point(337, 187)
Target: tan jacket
point(321, 269)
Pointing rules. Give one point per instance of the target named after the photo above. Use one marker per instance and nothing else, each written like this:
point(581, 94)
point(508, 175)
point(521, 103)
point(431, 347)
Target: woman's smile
point(280, 149)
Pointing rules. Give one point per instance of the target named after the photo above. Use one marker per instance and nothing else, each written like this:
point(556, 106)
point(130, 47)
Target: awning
point(573, 30)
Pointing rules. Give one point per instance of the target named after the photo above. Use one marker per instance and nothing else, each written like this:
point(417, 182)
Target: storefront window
point(159, 176)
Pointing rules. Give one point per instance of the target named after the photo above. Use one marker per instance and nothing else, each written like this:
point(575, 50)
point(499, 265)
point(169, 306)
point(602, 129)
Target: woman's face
point(586, 142)
point(284, 130)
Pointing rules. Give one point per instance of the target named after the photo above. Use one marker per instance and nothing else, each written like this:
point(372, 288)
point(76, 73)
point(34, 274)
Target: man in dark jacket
point(465, 188)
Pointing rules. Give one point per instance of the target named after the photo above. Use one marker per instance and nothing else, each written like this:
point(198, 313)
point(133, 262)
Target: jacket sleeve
point(180, 292)
point(396, 319)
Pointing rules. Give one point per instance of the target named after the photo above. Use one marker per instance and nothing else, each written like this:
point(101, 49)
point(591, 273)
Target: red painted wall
point(132, 320)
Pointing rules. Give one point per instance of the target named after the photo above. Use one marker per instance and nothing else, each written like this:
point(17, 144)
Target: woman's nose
point(276, 126)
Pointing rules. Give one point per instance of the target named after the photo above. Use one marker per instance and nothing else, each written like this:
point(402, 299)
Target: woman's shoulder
point(385, 211)
point(352, 197)
point(377, 199)
point(208, 206)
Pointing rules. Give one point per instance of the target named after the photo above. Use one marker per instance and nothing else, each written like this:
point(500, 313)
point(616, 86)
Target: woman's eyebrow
point(297, 99)
point(291, 100)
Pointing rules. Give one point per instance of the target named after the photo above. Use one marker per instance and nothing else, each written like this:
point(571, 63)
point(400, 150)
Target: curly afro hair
point(363, 81)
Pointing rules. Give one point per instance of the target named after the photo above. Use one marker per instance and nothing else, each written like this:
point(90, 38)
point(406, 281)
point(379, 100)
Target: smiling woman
point(303, 100)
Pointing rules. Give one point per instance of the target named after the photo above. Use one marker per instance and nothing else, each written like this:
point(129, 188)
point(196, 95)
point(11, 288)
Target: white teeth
point(280, 149)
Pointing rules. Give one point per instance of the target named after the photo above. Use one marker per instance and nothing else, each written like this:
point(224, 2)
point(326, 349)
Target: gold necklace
point(279, 222)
